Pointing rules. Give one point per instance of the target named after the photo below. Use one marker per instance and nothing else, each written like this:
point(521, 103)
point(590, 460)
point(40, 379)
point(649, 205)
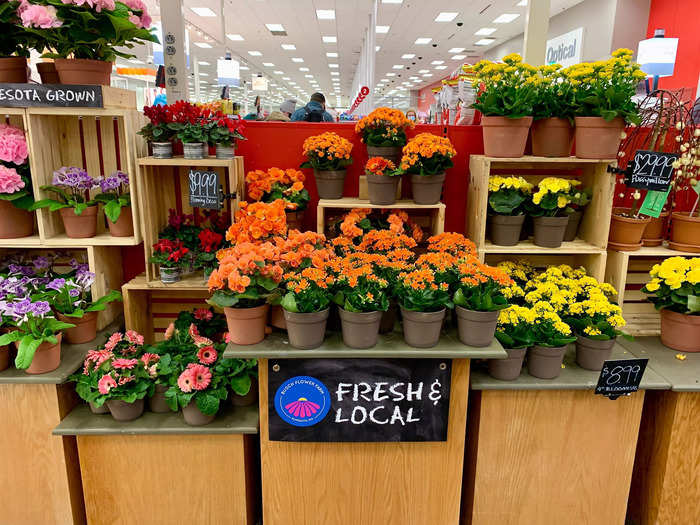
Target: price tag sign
point(654, 203)
point(620, 376)
point(204, 190)
point(650, 170)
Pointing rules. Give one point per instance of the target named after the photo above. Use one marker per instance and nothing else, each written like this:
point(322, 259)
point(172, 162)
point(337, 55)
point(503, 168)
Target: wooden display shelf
point(594, 263)
point(101, 239)
point(179, 160)
point(22, 242)
point(574, 247)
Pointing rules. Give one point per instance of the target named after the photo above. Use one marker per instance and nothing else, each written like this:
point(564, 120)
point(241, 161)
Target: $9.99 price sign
point(620, 376)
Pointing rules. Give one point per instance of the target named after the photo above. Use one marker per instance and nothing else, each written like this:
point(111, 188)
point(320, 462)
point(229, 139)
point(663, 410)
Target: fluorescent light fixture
point(203, 63)
point(459, 57)
point(391, 74)
point(333, 66)
point(268, 64)
point(275, 27)
point(421, 41)
point(440, 67)
point(377, 48)
point(244, 68)
point(202, 11)
point(446, 17)
point(408, 56)
point(522, 3)
point(455, 50)
point(255, 53)
point(428, 75)
point(203, 45)
point(297, 59)
point(235, 38)
point(334, 73)
point(303, 69)
point(325, 14)
point(484, 42)
point(332, 55)
point(330, 39)
point(397, 66)
point(279, 72)
point(436, 62)
point(289, 47)
point(424, 71)
point(506, 18)
point(204, 74)
point(286, 78)
point(485, 31)
point(382, 29)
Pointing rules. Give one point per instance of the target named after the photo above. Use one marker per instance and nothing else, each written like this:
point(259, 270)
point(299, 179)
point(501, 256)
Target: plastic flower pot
point(626, 232)
point(504, 230)
point(225, 152)
point(156, 403)
point(685, 232)
point(360, 329)
point(14, 222)
point(572, 225)
point(656, 230)
point(597, 138)
point(306, 330)
point(246, 326)
point(552, 137)
point(47, 72)
point(422, 329)
point(4, 358)
point(330, 183)
point(99, 410)
point(592, 353)
point(83, 71)
point(680, 331)
point(80, 226)
point(250, 398)
point(505, 137)
point(295, 220)
point(388, 322)
point(382, 188)
point(427, 189)
point(124, 227)
point(13, 70)
point(123, 411)
point(545, 362)
point(549, 231)
point(162, 150)
point(169, 275)
point(476, 328)
point(85, 329)
point(277, 317)
point(508, 369)
point(194, 417)
point(392, 153)
point(47, 357)
point(193, 150)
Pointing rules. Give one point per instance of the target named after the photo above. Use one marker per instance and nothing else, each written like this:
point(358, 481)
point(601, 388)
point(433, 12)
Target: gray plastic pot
point(157, 402)
point(591, 354)
point(422, 329)
point(392, 153)
point(549, 231)
point(194, 417)
point(382, 188)
point(306, 331)
point(360, 329)
point(572, 225)
point(476, 328)
point(330, 183)
point(545, 362)
point(427, 189)
point(103, 409)
point(508, 369)
point(123, 411)
point(504, 230)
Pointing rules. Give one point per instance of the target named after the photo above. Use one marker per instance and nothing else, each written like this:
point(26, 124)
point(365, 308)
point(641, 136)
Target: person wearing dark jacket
point(314, 111)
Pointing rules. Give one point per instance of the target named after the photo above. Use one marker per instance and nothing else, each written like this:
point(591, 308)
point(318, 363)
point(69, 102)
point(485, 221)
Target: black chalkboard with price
point(204, 190)
point(620, 376)
point(650, 170)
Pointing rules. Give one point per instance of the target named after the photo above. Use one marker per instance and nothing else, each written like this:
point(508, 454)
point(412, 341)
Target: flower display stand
point(551, 451)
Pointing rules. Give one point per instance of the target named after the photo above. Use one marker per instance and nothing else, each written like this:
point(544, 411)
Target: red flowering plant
point(207, 322)
point(225, 130)
point(157, 129)
point(205, 256)
point(126, 379)
point(181, 227)
point(190, 122)
point(169, 254)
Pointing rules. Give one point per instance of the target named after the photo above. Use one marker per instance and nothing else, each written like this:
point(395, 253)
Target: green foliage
point(31, 333)
point(156, 132)
point(326, 164)
point(113, 204)
point(379, 138)
point(190, 133)
point(507, 201)
point(486, 297)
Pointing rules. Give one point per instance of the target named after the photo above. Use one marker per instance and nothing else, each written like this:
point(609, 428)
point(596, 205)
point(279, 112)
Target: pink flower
point(113, 341)
point(98, 5)
point(227, 337)
point(203, 314)
point(207, 355)
point(106, 383)
point(186, 381)
point(124, 364)
point(10, 180)
point(201, 376)
point(169, 331)
point(126, 379)
point(39, 16)
point(200, 341)
point(130, 350)
point(149, 358)
point(193, 331)
point(135, 20)
point(134, 337)
point(13, 145)
point(94, 360)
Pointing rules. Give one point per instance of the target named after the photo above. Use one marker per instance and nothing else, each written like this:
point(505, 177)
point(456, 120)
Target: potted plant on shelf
point(171, 257)
point(124, 387)
point(182, 228)
point(552, 109)
point(15, 202)
point(158, 131)
point(116, 199)
point(78, 211)
point(97, 363)
point(627, 226)
point(241, 376)
point(382, 180)
point(384, 133)
point(329, 156)
point(578, 200)
point(551, 336)
point(685, 225)
point(674, 289)
point(17, 41)
point(190, 126)
point(205, 257)
point(515, 332)
point(223, 133)
point(507, 195)
point(426, 157)
point(288, 185)
point(505, 99)
point(547, 207)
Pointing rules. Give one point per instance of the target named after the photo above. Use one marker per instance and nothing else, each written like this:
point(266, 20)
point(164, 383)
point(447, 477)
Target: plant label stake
point(654, 202)
point(620, 377)
point(204, 189)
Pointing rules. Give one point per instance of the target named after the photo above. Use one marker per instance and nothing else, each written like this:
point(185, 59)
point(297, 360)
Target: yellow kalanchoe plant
point(675, 285)
point(552, 197)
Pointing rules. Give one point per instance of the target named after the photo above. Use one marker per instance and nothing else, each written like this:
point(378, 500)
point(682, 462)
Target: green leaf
point(25, 352)
point(207, 404)
point(10, 337)
point(101, 303)
point(113, 210)
point(289, 303)
point(241, 384)
point(693, 304)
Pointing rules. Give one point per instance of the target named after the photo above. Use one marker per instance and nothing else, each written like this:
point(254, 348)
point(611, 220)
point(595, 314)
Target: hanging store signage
point(359, 400)
point(620, 376)
point(259, 83)
point(650, 170)
point(565, 49)
point(228, 72)
point(657, 56)
point(49, 95)
point(204, 190)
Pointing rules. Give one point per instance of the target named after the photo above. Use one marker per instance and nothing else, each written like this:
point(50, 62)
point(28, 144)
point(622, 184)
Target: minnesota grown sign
point(49, 95)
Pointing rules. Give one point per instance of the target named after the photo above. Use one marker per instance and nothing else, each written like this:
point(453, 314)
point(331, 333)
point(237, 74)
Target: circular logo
point(302, 401)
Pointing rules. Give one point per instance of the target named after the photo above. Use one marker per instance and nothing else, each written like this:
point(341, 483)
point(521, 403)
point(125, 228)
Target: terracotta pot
point(157, 402)
point(552, 137)
point(591, 353)
point(246, 326)
point(505, 137)
point(124, 227)
point(572, 226)
point(680, 331)
point(508, 369)
point(4, 358)
point(193, 150)
point(422, 329)
point(476, 328)
point(545, 362)
point(194, 417)
point(123, 411)
point(597, 138)
point(83, 71)
point(626, 232)
point(47, 357)
point(14, 222)
point(295, 220)
point(162, 150)
point(549, 231)
point(427, 189)
point(360, 329)
point(306, 331)
point(655, 232)
point(250, 398)
point(685, 231)
point(388, 323)
point(330, 183)
point(99, 410)
point(225, 152)
point(49, 75)
point(277, 317)
point(80, 226)
point(169, 275)
point(392, 153)
point(13, 70)
point(505, 230)
point(85, 329)
point(382, 188)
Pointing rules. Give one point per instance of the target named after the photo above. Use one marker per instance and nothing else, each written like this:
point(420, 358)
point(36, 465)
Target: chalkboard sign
point(204, 190)
point(359, 400)
point(620, 376)
point(50, 95)
point(650, 170)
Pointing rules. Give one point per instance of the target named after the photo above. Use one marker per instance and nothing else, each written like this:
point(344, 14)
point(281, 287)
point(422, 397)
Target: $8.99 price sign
point(620, 376)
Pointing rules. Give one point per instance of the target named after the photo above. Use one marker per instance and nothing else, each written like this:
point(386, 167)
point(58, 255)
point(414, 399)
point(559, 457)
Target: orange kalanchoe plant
point(420, 290)
point(480, 286)
point(358, 287)
point(275, 183)
point(359, 221)
point(308, 290)
point(381, 166)
point(384, 127)
point(427, 154)
point(453, 243)
point(258, 222)
point(327, 152)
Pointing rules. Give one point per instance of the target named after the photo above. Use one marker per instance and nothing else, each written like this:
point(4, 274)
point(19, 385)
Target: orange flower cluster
point(439, 262)
point(257, 222)
point(349, 226)
point(392, 120)
point(356, 266)
point(378, 166)
point(297, 282)
point(421, 279)
point(424, 146)
point(303, 248)
point(261, 182)
point(399, 222)
point(472, 272)
point(385, 241)
point(242, 263)
point(453, 243)
point(327, 145)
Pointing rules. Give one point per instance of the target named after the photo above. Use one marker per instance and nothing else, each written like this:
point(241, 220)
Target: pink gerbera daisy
point(124, 364)
point(149, 358)
point(105, 384)
point(193, 331)
point(134, 337)
point(113, 341)
point(201, 376)
point(186, 381)
point(200, 341)
point(126, 379)
point(207, 355)
point(169, 331)
point(203, 314)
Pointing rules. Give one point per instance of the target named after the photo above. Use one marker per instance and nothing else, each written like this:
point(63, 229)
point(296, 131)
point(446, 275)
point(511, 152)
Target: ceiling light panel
point(303, 69)
point(332, 55)
point(382, 29)
point(330, 39)
point(408, 56)
point(203, 11)
point(203, 45)
point(325, 14)
point(255, 53)
point(277, 28)
point(484, 42)
point(459, 57)
point(289, 47)
point(235, 38)
point(446, 17)
point(437, 62)
point(506, 18)
point(423, 41)
point(485, 31)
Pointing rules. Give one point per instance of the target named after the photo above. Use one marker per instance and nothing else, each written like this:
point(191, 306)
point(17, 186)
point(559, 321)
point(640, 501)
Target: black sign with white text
point(204, 190)
point(50, 95)
point(620, 376)
point(358, 400)
point(650, 170)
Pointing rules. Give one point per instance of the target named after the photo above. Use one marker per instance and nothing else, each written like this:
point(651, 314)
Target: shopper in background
point(314, 111)
point(288, 106)
point(411, 115)
point(277, 116)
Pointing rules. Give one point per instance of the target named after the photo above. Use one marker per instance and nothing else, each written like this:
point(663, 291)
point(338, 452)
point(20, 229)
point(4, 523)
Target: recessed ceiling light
point(204, 74)
point(332, 55)
point(244, 68)
point(377, 48)
point(446, 17)
point(333, 66)
point(423, 41)
point(459, 57)
point(303, 69)
point(435, 62)
point(397, 66)
point(255, 53)
point(203, 11)
point(506, 18)
point(268, 64)
point(286, 78)
point(391, 74)
point(275, 27)
point(428, 75)
point(202, 63)
point(235, 38)
point(440, 67)
point(330, 39)
point(408, 55)
point(289, 47)
point(203, 45)
point(424, 71)
point(382, 29)
point(279, 72)
point(522, 3)
point(297, 59)
point(325, 14)
point(335, 73)
point(484, 42)
point(485, 31)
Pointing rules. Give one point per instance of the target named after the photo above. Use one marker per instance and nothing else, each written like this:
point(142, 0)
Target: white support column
point(371, 58)
point(172, 19)
point(195, 71)
point(536, 30)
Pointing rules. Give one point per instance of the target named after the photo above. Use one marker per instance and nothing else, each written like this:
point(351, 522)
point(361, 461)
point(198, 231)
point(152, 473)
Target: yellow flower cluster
point(498, 182)
point(674, 272)
point(555, 186)
point(512, 71)
point(544, 312)
point(617, 68)
point(520, 271)
point(514, 315)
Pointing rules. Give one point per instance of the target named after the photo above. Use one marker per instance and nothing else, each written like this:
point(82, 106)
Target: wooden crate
point(164, 185)
point(594, 263)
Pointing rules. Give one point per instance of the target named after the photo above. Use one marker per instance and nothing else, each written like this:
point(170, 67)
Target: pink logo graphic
point(302, 407)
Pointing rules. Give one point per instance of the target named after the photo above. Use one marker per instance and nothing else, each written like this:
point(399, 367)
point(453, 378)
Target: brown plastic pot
point(15, 222)
point(685, 231)
point(123, 411)
point(295, 220)
point(626, 232)
point(505, 137)
point(250, 398)
point(306, 331)
point(545, 362)
point(4, 358)
point(508, 369)
point(83, 71)
point(85, 329)
point(427, 189)
point(124, 227)
point(13, 70)
point(591, 353)
point(80, 226)
point(388, 322)
point(246, 326)
point(505, 230)
point(49, 75)
point(572, 225)
point(476, 328)
point(47, 357)
point(194, 417)
point(392, 153)
point(157, 402)
point(277, 317)
point(552, 137)
point(597, 138)
point(360, 329)
point(99, 410)
point(382, 188)
point(656, 230)
point(422, 329)
point(330, 183)
point(549, 231)
point(680, 331)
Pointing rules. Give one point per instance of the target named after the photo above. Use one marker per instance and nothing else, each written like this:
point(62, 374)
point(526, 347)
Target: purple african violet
point(74, 178)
